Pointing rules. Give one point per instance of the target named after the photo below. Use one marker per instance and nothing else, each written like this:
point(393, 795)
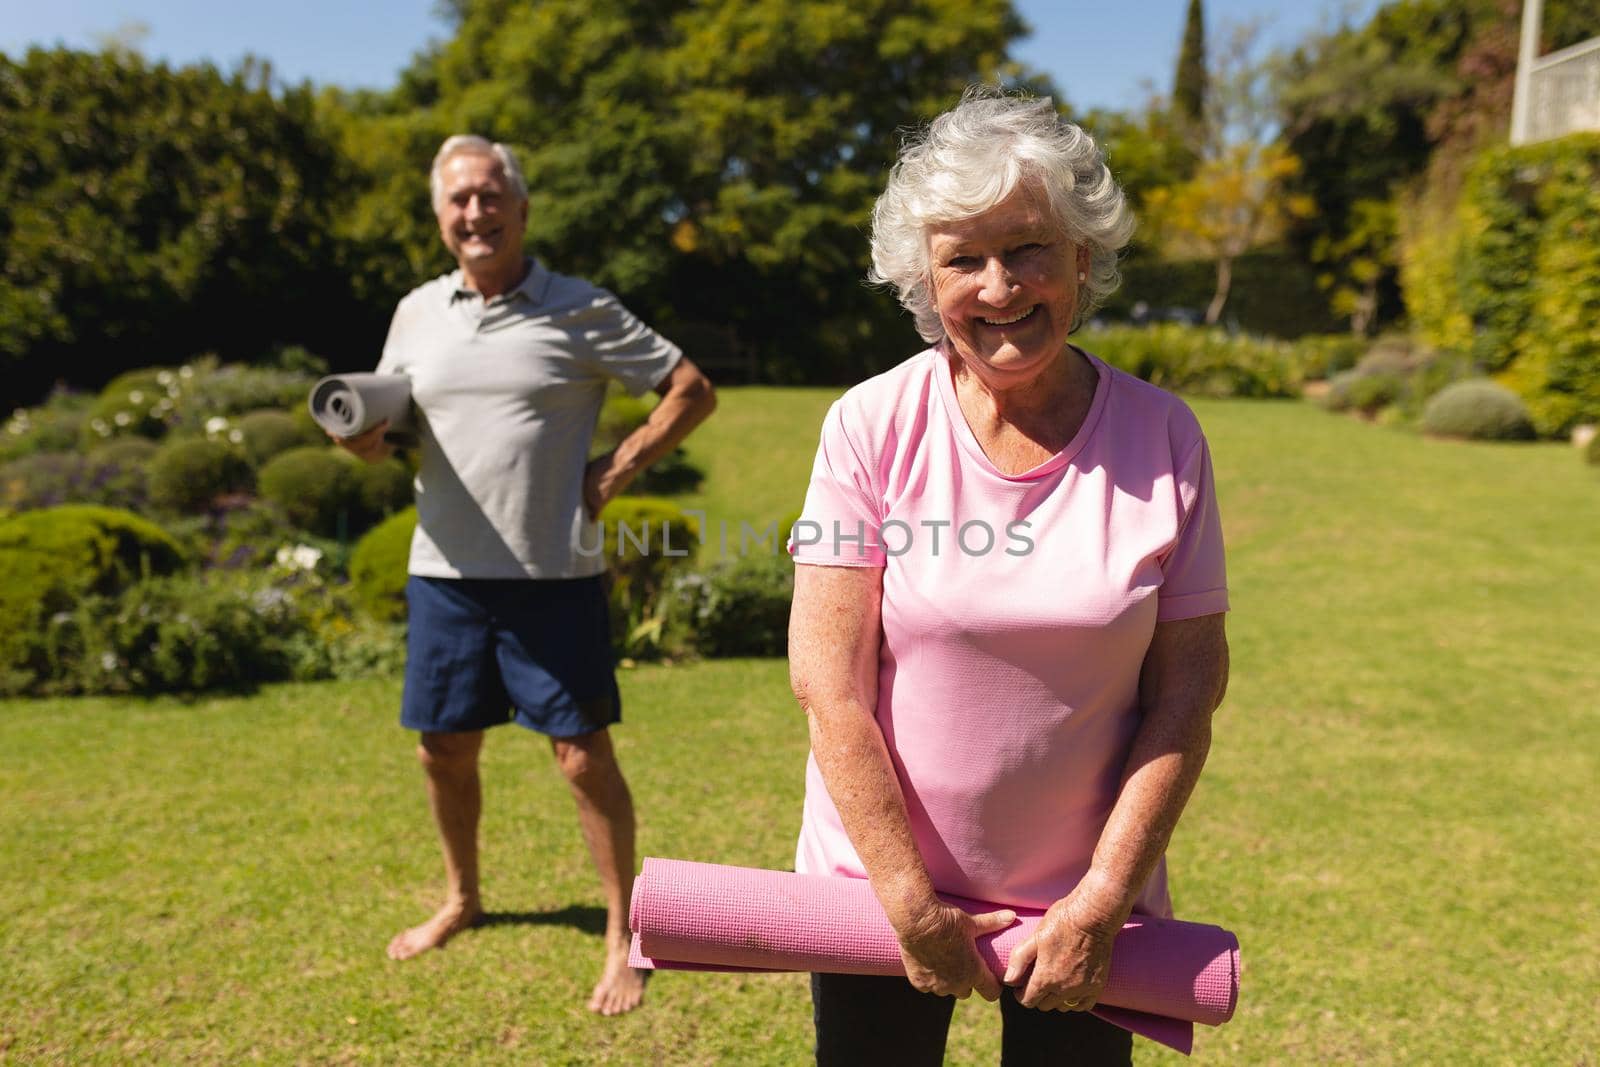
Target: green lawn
point(1398, 818)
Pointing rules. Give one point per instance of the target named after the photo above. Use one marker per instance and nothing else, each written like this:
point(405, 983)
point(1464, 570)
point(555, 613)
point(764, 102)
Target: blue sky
point(1101, 54)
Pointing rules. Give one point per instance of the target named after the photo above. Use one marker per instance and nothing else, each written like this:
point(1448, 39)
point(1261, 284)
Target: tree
point(714, 163)
point(1189, 85)
point(1236, 198)
point(149, 214)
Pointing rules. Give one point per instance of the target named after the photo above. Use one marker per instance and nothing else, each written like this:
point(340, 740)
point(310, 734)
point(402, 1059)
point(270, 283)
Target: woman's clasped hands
point(1062, 966)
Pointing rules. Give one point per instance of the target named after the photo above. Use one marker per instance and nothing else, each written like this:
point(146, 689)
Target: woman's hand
point(938, 948)
point(1070, 952)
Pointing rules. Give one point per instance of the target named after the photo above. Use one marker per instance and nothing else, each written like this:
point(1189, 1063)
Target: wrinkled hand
point(940, 957)
point(370, 445)
point(1070, 952)
point(601, 481)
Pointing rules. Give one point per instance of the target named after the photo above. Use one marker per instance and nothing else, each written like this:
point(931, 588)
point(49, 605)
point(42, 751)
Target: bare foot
point(445, 924)
point(621, 988)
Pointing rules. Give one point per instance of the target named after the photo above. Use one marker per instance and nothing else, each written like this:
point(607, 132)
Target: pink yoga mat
point(1165, 975)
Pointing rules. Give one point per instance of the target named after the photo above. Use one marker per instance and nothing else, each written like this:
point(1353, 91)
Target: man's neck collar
point(494, 285)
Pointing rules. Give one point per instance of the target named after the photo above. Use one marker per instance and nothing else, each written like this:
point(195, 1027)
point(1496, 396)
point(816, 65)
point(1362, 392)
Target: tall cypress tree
point(1189, 87)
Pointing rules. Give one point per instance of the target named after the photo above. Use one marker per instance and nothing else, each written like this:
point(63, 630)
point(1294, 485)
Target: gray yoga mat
point(349, 404)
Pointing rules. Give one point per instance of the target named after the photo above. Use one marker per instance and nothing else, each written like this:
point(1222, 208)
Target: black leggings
point(872, 1021)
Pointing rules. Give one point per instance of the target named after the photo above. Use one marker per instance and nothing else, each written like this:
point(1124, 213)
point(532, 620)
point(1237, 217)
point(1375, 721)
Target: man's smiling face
point(480, 217)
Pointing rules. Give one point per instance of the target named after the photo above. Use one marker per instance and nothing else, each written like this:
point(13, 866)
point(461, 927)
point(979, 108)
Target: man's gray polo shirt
point(507, 394)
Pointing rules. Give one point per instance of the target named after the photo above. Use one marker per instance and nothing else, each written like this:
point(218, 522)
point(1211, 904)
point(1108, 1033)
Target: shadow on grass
point(589, 919)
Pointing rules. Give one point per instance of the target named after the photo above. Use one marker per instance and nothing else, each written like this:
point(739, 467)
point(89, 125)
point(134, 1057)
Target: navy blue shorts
point(482, 652)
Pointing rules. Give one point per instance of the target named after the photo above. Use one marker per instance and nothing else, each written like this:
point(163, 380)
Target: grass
point(1397, 818)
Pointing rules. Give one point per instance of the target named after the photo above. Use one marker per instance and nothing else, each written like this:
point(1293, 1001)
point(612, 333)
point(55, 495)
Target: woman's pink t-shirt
point(1017, 610)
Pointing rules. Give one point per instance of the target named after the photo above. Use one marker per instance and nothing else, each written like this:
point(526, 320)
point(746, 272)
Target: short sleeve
point(1194, 574)
point(622, 347)
point(391, 361)
point(839, 525)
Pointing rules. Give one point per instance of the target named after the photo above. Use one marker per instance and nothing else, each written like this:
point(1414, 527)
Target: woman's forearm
point(1183, 682)
point(861, 781)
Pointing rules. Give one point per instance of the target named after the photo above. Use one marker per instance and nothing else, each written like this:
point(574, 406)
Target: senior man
point(509, 363)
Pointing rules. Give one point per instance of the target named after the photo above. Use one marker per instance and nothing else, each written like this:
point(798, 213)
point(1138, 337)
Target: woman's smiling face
point(1006, 287)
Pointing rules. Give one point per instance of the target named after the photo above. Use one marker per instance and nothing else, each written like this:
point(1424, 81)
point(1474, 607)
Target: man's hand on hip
point(603, 479)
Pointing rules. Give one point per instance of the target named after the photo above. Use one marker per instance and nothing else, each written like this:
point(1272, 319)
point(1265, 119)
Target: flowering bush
point(51, 559)
point(54, 426)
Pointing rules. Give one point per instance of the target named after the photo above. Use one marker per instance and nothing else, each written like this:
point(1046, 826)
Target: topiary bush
point(317, 487)
point(51, 559)
point(738, 607)
point(379, 564)
point(381, 488)
point(189, 474)
point(270, 431)
point(1478, 410)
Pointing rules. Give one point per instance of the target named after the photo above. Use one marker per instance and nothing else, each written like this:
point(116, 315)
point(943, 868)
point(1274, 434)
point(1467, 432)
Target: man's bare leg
point(605, 812)
point(455, 795)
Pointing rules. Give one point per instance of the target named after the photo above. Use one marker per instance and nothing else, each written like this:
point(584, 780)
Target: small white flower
point(284, 557)
point(122, 418)
point(164, 377)
point(186, 372)
point(216, 424)
point(136, 397)
point(306, 557)
point(236, 436)
point(108, 661)
point(174, 392)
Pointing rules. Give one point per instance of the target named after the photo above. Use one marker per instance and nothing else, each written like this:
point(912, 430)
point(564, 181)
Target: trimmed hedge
point(51, 559)
point(271, 431)
point(1201, 361)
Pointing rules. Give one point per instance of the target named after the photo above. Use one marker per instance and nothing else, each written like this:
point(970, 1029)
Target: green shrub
point(138, 402)
point(381, 489)
point(43, 480)
point(738, 607)
point(646, 538)
point(620, 415)
point(189, 474)
point(270, 431)
point(379, 564)
point(317, 487)
point(51, 559)
point(1200, 361)
point(54, 426)
point(1320, 356)
point(118, 473)
point(1478, 410)
point(176, 634)
point(1512, 272)
point(207, 390)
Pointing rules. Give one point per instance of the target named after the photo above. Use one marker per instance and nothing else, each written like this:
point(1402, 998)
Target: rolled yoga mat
point(350, 404)
point(1165, 976)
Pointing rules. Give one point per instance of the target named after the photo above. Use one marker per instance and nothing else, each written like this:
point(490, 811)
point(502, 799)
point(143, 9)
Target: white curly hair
point(970, 159)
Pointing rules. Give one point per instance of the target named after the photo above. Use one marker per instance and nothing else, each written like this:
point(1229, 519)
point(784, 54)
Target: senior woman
point(1007, 630)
